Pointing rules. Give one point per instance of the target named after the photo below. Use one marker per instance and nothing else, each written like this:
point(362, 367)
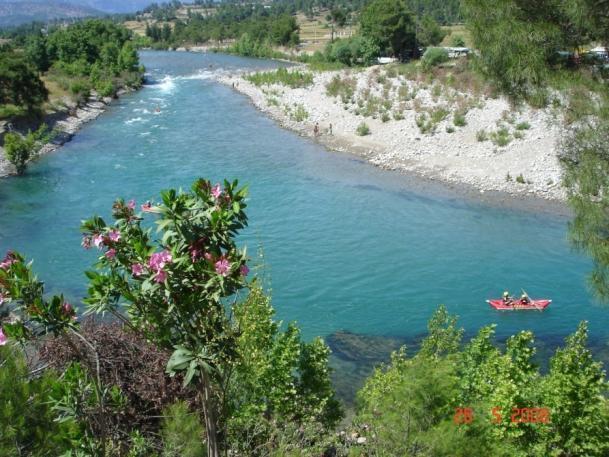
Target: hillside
point(18, 12)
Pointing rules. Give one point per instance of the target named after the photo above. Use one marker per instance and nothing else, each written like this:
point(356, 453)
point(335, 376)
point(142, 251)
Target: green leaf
point(192, 370)
point(179, 360)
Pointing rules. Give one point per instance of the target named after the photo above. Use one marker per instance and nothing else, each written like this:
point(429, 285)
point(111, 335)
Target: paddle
point(531, 300)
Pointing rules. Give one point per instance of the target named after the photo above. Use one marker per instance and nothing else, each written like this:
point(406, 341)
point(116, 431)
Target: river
point(345, 245)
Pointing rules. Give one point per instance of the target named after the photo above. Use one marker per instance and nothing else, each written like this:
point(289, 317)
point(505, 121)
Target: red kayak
point(538, 305)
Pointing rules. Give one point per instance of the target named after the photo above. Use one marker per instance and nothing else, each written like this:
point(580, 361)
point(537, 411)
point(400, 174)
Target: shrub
point(385, 117)
point(481, 135)
point(182, 432)
point(438, 114)
point(520, 179)
point(28, 426)
point(501, 137)
point(450, 129)
point(299, 114)
point(292, 79)
point(434, 57)
point(459, 119)
point(523, 126)
point(363, 129)
point(106, 88)
point(357, 50)
point(458, 41)
point(398, 115)
point(343, 87)
point(19, 150)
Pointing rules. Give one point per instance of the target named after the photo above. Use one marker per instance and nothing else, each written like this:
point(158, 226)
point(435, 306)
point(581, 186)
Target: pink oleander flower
point(67, 309)
point(98, 240)
point(194, 254)
point(137, 269)
point(114, 235)
point(216, 191)
point(3, 338)
point(244, 270)
point(222, 266)
point(158, 260)
point(160, 276)
point(208, 256)
point(131, 204)
point(110, 254)
point(9, 259)
point(86, 242)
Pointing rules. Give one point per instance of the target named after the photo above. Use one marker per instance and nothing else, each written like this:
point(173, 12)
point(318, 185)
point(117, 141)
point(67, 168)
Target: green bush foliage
point(20, 149)
point(389, 23)
point(182, 432)
point(19, 82)
point(292, 79)
point(362, 129)
point(27, 420)
point(357, 50)
point(412, 402)
point(434, 57)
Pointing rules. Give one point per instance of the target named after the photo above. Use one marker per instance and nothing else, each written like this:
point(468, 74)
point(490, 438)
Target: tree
point(575, 391)
point(585, 160)
point(175, 289)
point(521, 66)
point(19, 150)
point(390, 24)
point(337, 17)
point(19, 82)
point(36, 51)
point(429, 32)
point(127, 59)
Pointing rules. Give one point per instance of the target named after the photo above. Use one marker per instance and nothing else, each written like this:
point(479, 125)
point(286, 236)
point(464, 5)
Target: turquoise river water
point(346, 245)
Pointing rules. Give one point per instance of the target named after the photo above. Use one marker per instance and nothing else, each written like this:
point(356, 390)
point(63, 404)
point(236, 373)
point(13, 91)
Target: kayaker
point(524, 299)
point(506, 298)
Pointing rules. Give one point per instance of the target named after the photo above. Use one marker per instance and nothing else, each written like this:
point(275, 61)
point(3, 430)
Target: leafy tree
point(429, 32)
point(576, 390)
point(390, 24)
point(337, 17)
point(174, 289)
point(521, 66)
point(36, 51)
point(127, 59)
point(19, 82)
point(277, 381)
point(585, 159)
point(19, 150)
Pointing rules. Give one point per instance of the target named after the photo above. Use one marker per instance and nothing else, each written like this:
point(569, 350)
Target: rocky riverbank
point(431, 128)
point(65, 123)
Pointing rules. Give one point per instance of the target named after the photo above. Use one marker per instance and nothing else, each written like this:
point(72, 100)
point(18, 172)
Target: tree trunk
point(209, 410)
